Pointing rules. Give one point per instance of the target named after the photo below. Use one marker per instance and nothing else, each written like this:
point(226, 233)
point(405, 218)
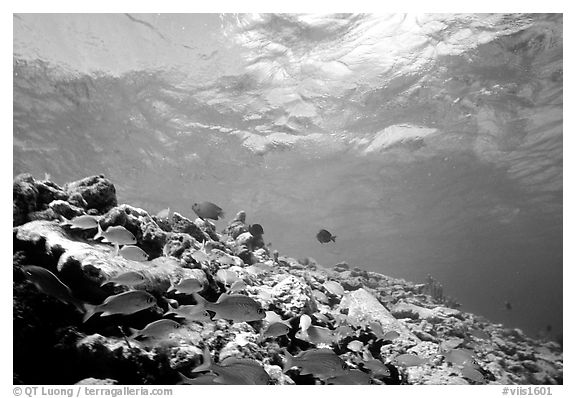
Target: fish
point(200, 380)
point(221, 257)
point(320, 362)
point(259, 269)
point(256, 230)
point(164, 213)
point(449, 344)
point(391, 335)
point(190, 313)
point(200, 256)
point(124, 303)
point(508, 305)
point(324, 236)
point(118, 235)
point(343, 331)
point(272, 317)
point(334, 288)
point(49, 284)
point(130, 278)
point(226, 276)
point(350, 377)
point(355, 345)
point(207, 210)
point(233, 307)
point(237, 286)
point(275, 329)
point(408, 360)
point(156, 329)
point(320, 296)
point(134, 253)
point(305, 322)
point(187, 286)
point(321, 317)
point(471, 373)
point(81, 222)
point(377, 367)
point(235, 371)
point(376, 328)
point(460, 357)
point(317, 335)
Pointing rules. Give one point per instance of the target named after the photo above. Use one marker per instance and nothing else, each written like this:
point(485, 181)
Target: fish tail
point(116, 249)
point(99, 234)
point(289, 361)
point(64, 220)
point(207, 362)
point(134, 333)
point(90, 310)
point(183, 379)
point(333, 239)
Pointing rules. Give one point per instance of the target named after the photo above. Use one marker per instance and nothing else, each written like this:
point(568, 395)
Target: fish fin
point(333, 239)
point(134, 333)
point(116, 249)
point(99, 234)
point(105, 283)
point(183, 379)
point(64, 220)
point(90, 310)
point(206, 364)
point(200, 300)
point(289, 361)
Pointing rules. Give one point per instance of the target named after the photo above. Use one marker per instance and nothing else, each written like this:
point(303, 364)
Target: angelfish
point(207, 210)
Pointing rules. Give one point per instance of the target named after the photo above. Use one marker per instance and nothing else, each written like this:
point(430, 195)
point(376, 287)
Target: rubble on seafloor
point(383, 330)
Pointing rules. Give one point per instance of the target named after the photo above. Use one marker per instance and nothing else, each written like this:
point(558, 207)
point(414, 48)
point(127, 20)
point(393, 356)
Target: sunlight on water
point(429, 144)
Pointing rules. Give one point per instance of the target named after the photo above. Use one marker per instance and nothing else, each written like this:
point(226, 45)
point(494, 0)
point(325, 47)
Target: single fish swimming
point(322, 363)
point(275, 329)
point(130, 279)
point(256, 230)
point(187, 286)
point(164, 213)
point(226, 276)
point(190, 313)
point(334, 288)
point(233, 307)
point(235, 371)
point(207, 210)
point(134, 253)
point(350, 377)
point(117, 235)
point(125, 303)
point(51, 285)
point(409, 360)
point(156, 329)
point(324, 236)
point(81, 222)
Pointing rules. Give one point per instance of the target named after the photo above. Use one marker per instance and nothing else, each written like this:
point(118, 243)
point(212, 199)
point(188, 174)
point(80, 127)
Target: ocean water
point(428, 144)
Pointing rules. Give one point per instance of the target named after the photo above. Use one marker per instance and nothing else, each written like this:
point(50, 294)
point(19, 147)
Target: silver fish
point(237, 286)
point(156, 329)
point(190, 313)
point(200, 380)
point(471, 373)
point(124, 303)
point(305, 322)
point(460, 357)
point(410, 360)
point(322, 363)
point(164, 213)
point(133, 253)
point(276, 329)
point(51, 285)
point(350, 377)
point(116, 234)
point(377, 367)
point(187, 286)
point(130, 278)
point(200, 256)
point(233, 307)
point(355, 345)
point(317, 335)
point(226, 277)
point(334, 288)
point(391, 335)
point(235, 371)
point(208, 210)
point(81, 222)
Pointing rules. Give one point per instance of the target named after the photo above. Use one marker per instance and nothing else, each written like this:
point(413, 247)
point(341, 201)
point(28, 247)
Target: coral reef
point(343, 325)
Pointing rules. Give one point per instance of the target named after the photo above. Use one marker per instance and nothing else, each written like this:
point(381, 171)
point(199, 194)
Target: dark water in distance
point(428, 144)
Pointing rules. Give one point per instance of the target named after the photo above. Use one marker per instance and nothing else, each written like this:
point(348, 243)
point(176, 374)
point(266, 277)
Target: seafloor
point(363, 322)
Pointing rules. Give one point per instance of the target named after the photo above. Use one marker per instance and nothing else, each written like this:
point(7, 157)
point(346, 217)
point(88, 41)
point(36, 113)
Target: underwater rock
point(24, 198)
point(364, 308)
point(65, 209)
point(98, 192)
point(405, 310)
point(181, 224)
point(341, 267)
point(177, 243)
point(237, 226)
